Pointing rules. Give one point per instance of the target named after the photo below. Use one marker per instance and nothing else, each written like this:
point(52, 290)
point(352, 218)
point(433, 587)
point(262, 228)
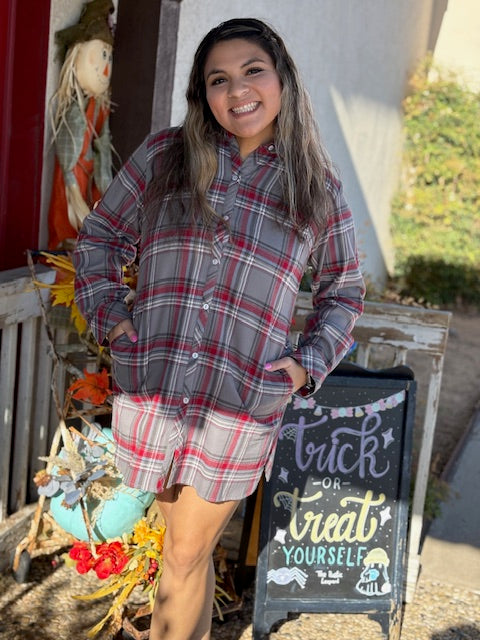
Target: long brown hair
point(188, 169)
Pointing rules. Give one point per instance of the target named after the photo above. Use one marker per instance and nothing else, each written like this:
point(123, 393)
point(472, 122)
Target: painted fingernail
point(268, 366)
point(134, 338)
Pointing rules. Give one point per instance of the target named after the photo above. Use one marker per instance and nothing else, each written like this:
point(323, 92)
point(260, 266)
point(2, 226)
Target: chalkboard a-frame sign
point(335, 511)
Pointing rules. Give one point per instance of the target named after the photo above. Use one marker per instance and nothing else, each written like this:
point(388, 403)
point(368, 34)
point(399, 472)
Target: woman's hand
point(125, 326)
point(297, 373)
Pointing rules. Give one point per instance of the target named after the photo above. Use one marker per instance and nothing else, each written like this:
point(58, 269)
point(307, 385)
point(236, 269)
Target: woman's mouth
point(246, 108)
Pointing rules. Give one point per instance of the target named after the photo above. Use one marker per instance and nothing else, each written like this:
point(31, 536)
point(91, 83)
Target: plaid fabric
point(212, 307)
point(213, 452)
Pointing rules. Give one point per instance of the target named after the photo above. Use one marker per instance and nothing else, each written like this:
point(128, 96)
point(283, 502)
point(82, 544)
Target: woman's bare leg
point(205, 623)
point(183, 606)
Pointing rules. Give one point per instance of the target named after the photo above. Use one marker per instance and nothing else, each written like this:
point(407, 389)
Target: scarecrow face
point(94, 67)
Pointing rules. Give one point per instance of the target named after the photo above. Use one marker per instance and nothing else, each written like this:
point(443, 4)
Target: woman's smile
point(247, 108)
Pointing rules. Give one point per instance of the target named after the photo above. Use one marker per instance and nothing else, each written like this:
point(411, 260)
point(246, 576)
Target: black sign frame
point(361, 390)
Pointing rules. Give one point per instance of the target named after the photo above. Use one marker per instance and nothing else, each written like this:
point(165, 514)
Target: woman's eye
point(217, 81)
point(254, 70)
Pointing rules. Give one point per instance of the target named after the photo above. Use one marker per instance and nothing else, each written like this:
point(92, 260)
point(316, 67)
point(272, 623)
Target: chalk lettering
point(327, 483)
point(349, 449)
point(324, 556)
point(351, 526)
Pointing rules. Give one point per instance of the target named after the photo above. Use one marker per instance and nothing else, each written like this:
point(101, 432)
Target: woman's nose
point(237, 87)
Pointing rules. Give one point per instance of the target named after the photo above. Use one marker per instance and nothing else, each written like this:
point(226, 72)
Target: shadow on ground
point(463, 632)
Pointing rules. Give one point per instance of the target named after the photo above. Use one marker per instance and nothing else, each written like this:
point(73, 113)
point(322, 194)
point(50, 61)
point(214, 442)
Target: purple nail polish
point(134, 338)
point(268, 366)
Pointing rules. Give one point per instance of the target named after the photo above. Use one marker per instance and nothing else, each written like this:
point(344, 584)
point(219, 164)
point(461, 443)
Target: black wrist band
point(307, 388)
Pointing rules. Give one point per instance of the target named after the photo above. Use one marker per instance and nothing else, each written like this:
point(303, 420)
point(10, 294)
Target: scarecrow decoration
point(81, 133)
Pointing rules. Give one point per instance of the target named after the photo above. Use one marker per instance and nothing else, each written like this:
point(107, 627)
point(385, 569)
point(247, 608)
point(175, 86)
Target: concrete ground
point(451, 551)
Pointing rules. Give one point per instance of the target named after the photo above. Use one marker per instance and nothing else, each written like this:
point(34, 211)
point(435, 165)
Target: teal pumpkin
point(113, 517)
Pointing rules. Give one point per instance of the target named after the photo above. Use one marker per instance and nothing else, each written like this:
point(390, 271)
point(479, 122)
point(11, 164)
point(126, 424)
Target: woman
point(225, 214)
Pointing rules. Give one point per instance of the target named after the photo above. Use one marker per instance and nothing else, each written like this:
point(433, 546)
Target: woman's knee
point(185, 553)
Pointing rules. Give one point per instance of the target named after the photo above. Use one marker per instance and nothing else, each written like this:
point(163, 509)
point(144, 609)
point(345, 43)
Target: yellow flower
point(140, 532)
point(144, 535)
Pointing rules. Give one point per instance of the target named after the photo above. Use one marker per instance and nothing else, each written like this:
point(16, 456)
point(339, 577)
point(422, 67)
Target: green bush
point(435, 215)
point(441, 283)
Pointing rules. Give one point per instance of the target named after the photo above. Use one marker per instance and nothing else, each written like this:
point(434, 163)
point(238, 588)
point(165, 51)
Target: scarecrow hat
point(92, 25)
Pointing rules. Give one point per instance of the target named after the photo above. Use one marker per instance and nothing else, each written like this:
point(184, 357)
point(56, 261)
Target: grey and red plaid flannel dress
point(212, 307)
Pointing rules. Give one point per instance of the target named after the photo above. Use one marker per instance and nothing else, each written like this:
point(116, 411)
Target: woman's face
point(93, 67)
point(243, 91)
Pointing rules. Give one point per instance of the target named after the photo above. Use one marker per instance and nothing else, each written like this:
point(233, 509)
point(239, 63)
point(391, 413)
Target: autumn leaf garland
point(93, 387)
point(63, 290)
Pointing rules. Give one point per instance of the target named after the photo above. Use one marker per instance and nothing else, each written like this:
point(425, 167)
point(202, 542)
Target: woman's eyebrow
point(245, 64)
point(252, 60)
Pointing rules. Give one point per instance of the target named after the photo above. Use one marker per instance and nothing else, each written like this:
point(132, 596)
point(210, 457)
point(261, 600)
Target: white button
point(226, 217)
point(235, 178)
point(205, 306)
point(214, 261)
point(186, 400)
point(271, 147)
point(194, 355)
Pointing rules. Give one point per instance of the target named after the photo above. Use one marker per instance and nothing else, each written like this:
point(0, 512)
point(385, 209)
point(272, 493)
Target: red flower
point(104, 567)
point(81, 553)
point(112, 559)
point(84, 567)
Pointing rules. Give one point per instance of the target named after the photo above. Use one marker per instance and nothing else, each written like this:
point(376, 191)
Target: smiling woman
point(225, 214)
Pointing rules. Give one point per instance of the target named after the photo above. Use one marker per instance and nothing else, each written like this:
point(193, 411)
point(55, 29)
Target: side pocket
point(277, 388)
point(128, 366)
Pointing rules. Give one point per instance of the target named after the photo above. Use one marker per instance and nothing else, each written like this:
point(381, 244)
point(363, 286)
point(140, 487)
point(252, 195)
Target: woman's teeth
point(251, 106)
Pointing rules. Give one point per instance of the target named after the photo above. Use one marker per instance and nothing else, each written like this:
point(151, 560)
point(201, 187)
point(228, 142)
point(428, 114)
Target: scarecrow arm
point(68, 144)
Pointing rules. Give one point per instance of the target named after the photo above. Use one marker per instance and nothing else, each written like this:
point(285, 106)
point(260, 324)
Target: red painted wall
point(24, 28)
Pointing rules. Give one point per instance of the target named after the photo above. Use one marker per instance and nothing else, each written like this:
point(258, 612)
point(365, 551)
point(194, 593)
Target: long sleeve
point(338, 291)
point(106, 243)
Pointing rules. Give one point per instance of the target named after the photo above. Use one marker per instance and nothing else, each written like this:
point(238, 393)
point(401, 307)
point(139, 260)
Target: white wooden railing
point(27, 414)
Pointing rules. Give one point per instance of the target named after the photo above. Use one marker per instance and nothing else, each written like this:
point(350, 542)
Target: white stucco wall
point(458, 45)
point(355, 57)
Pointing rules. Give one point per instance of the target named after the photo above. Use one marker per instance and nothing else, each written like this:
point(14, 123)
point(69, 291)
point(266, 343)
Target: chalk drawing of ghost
point(374, 580)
